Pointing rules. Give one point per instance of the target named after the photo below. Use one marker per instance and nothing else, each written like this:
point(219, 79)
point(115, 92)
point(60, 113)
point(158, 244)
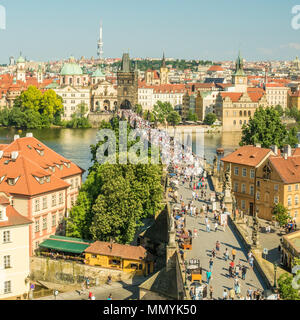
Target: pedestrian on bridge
point(211, 262)
point(216, 226)
point(218, 245)
point(226, 254)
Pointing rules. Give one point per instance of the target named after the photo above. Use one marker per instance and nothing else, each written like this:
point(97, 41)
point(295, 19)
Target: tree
point(210, 119)
point(161, 110)
point(281, 215)
point(279, 109)
point(29, 99)
point(173, 118)
point(267, 129)
point(286, 290)
point(79, 119)
point(192, 116)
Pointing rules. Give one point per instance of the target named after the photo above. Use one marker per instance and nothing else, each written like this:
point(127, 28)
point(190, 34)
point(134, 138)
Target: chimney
point(298, 145)
point(14, 155)
point(257, 145)
point(285, 156)
point(29, 135)
point(288, 150)
point(274, 148)
point(16, 136)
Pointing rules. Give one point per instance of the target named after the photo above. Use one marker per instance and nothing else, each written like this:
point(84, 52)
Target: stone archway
point(106, 105)
point(125, 105)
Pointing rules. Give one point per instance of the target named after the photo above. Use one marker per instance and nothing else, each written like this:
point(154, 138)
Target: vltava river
point(74, 144)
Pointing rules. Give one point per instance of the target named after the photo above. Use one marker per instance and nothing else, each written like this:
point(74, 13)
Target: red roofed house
point(261, 178)
point(44, 185)
point(14, 250)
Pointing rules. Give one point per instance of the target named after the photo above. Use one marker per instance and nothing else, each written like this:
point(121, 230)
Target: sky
point(190, 29)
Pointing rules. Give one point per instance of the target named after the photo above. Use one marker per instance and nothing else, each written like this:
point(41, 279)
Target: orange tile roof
point(288, 170)
point(247, 155)
point(14, 218)
point(117, 250)
point(215, 68)
point(30, 164)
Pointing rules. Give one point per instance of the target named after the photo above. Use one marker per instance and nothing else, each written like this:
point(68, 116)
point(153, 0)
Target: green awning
point(64, 246)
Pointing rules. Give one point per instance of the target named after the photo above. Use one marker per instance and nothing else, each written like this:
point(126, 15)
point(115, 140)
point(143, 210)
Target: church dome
point(71, 68)
point(98, 73)
point(20, 60)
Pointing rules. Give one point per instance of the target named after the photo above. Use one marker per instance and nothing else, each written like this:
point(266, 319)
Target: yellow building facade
point(125, 258)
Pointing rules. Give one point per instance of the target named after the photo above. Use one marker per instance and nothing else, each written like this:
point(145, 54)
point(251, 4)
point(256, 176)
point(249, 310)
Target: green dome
point(98, 73)
point(71, 69)
point(20, 60)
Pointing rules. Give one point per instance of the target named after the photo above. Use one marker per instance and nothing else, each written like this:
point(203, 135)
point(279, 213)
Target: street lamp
point(275, 272)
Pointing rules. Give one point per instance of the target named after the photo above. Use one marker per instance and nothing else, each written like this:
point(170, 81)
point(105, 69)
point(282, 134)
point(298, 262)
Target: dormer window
point(29, 146)
point(11, 181)
point(2, 178)
point(48, 179)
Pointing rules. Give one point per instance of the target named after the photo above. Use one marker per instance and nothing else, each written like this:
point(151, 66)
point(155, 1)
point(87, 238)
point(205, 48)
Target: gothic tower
point(239, 78)
point(127, 81)
point(164, 71)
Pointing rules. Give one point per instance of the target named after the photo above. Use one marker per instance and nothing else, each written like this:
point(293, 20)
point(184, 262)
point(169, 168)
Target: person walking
point(250, 292)
point(233, 252)
point(208, 227)
point(244, 271)
point(237, 289)
point(237, 271)
point(208, 276)
point(226, 254)
point(211, 292)
point(218, 246)
point(213, 253)
point(251, 261)
point(211, 262)
point(231, 294)
point(216, 226)
point(225, 294)
point(109, 297)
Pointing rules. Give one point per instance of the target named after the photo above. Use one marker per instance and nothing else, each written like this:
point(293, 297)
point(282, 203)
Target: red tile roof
point(14, 218)
point(30, 164)
point(117, 250)
point(288, 170)
point(215, 68)
point(247, 155)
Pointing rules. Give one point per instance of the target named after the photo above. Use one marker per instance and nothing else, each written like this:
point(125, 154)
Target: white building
point(14, 251)
point(277, 94)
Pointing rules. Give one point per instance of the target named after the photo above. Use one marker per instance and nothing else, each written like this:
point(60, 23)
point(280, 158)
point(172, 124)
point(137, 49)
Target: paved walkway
point(124, 290)
point(205, 242)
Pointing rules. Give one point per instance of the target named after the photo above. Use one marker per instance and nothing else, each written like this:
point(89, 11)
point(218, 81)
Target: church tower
point(164, 71)
point(127, 80)
point(40, 75)
point(239, 78)
point(21, 72)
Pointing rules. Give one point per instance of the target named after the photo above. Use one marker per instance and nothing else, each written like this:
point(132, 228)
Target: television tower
point(100, 44)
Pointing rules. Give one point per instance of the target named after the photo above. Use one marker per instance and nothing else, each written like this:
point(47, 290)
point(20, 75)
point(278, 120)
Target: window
point(37, 205)
point(243, 204)
point(6, 262)
point(251, 190)
point(243, 188)
point(6, 236)
point(289, 188)
point(7, 287)
point(296, 214)
point(296, 199)
point(257, 195)
point(244, 172)
point(61, 199)
point(252, 173)
point(72, 201)
point(276, 199)
point(45, 203)
point(236, 171)
point(258, 183)
point(297, 187)
point(72, 183)
point(54, 200)
point(44, 223)
point(53, 220)
point(37, 225)
point(236, 187)
point(276, 187)
point(76, 182)
point(289, 201)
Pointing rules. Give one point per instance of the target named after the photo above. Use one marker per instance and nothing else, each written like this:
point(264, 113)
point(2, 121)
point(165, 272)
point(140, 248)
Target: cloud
point(291, 45)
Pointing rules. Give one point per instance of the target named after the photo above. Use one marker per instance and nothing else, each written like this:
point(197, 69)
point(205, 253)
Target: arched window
point(241, 122)
point(234, 122)
point(241, 113)
point(289, 200)
point(296, 199)
point(245, 113)
point(249, 113)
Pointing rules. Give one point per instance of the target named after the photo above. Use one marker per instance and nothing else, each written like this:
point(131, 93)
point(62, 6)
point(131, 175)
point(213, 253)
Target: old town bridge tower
point(127, 84)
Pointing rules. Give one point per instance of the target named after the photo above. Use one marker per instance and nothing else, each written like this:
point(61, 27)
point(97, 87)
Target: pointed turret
point(125, 66)
point(163, 63)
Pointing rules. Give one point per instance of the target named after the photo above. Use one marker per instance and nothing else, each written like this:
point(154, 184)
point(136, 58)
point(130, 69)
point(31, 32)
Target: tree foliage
point(115, 197)
point(173, 118)
point(192, 116)
point(286, 290)
point(210, 119)
point(281, 215)
point(267, 129)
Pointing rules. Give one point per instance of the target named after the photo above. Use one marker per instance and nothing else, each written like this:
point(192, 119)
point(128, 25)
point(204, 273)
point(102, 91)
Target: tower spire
point(163, 63)
point(100, 43)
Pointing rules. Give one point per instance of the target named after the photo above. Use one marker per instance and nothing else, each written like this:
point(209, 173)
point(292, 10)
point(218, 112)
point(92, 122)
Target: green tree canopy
point(192, 116)
point(173, 118)
point(281, 215)
point(210, 119)
point(267, 129)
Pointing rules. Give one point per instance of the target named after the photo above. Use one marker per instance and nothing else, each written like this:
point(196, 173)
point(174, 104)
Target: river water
point(74, 144)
